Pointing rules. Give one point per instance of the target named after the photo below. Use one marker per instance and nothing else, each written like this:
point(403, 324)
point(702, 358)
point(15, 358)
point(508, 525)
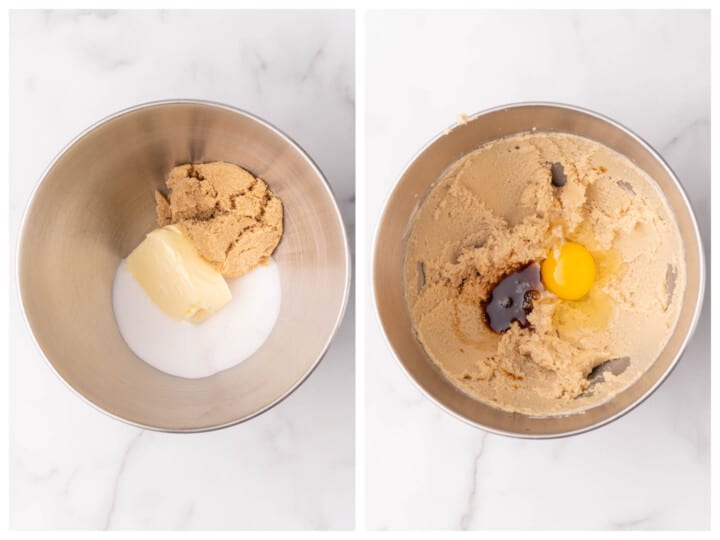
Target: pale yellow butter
point(176, 277)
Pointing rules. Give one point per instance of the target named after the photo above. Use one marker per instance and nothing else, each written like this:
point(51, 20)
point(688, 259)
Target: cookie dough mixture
point(231, 217)
point(508, 204)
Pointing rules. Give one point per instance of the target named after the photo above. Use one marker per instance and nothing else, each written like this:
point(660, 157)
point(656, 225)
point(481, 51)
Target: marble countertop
point(427, 470)
point(72, 467)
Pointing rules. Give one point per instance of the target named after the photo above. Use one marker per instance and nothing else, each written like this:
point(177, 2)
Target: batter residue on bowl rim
point(508, 204)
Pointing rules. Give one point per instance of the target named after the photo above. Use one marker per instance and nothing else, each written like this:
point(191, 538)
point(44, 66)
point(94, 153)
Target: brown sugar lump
point(231, 217)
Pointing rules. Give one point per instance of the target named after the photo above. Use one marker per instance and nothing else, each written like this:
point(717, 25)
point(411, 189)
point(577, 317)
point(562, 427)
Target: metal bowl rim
point(235, 110)
point(701, 277)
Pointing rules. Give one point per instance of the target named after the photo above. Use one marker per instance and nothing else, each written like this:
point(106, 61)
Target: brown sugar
point(231, 217)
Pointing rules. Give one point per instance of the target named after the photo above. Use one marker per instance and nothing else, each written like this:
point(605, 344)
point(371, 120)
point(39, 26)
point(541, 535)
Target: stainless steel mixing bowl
point(95, 204)
point(414, 183)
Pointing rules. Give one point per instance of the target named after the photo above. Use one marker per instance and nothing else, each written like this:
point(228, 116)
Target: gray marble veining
point(647, 70)
point(71, 466)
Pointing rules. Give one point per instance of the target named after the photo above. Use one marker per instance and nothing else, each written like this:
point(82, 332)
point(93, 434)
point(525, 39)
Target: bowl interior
point(409, 192)
point(95, 205)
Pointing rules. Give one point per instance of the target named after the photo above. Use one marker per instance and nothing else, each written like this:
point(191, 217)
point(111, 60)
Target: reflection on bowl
point(390, 240)
point(95, 204)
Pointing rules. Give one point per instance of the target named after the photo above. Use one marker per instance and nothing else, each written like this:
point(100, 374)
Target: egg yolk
point(569, 271)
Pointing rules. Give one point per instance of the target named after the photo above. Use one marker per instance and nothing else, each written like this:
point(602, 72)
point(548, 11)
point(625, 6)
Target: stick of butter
point(176, 277)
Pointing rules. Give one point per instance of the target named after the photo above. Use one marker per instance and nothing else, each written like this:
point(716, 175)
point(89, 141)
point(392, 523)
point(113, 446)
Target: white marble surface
point(650, 469)
point(72, 467)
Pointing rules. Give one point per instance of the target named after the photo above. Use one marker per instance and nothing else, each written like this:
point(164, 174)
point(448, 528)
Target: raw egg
point(569, 271)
